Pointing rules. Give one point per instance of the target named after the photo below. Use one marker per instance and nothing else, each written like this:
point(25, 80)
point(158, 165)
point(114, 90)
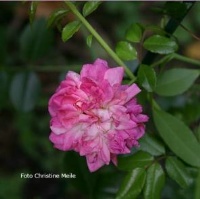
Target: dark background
point(33, 60)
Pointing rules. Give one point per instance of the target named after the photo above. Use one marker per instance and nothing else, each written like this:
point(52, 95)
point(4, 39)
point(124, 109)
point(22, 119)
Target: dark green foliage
point(24, 91)
point(35, 41)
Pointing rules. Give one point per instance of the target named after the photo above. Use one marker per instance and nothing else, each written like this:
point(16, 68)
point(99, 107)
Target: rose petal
point(114, 75)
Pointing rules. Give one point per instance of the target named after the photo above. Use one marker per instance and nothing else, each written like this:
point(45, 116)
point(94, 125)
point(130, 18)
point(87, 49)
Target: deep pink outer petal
point(132, 91)
point(94, 162)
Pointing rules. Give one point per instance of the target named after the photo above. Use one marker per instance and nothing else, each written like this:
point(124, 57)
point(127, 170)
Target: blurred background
point(33, 60)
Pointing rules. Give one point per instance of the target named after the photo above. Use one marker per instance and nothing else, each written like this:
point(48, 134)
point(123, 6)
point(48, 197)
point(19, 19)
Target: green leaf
point(24, 91)
point(178, 137)
point(151, 145)
point(197, 190)
point(155, 180)
point(56, 16)
point(134, 33)
point(35, 41)
point(175, 81)
point(89, 40)
point(132, 184)
point(177, 171)
point(139, 159)
point(147, 77)
point(126, 51)
point(70, 29)
point(160, 44)
point(32, 11)
point(197, 133)
point(90, 7)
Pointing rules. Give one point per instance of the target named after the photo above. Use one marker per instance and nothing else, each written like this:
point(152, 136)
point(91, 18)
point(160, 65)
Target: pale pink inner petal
point(114, 75)
point(96, 71)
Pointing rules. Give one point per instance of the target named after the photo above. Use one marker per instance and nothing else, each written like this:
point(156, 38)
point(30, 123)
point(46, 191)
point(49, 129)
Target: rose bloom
point(93, 114)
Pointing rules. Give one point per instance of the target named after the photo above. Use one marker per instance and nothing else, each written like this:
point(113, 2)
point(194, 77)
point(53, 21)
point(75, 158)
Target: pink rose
point(93, 114)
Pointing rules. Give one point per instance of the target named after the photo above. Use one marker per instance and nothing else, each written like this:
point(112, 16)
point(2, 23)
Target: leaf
point(126, 51)
point(151, 145)
point(134, 33)
point(24, 91)
point(177, 171)
point(139, 159)
point(160, 44)
point(89, 40)
point(175, 81)
point(155, 180)
point(56, 16)
point(197, 190)
point(147, 77)
point(132, 184)
point(70, 29)
point(197, 133)
point(32, 11)
point(35, 41)
point(90, 7)
point(178, 137)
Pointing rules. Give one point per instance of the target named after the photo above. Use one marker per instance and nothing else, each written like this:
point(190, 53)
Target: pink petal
point(105, 153)
point(114, 75)
point(114, 159)
point(71, 79)
point(95, 71)
point(126, 125)
point(132, 91)
point(107, 90)
point(94, 162)
point(56, 139)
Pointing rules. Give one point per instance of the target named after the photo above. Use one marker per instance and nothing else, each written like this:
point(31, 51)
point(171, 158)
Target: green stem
point(163, 60)
point(73, 8)
point(177, 57)
point(186, 59)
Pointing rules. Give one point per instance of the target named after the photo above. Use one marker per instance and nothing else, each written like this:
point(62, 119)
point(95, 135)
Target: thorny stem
point(73, 8)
